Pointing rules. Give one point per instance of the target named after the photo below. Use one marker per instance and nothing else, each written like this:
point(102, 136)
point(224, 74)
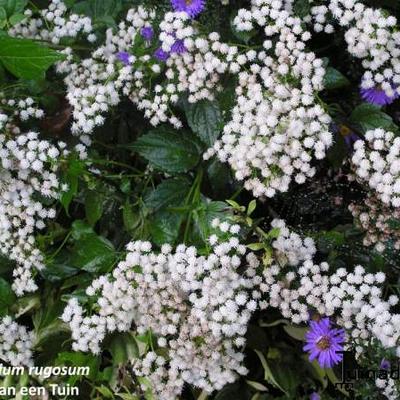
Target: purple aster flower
point(161, 55)
point(315, 396)
point(123, 56)
point(324, 343)
point(178, 47)
point(377, 96)
point(385, 364)
point(191, 7)
point(147, 33)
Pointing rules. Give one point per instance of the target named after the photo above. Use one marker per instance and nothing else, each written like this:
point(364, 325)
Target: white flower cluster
point(23, 109)
point(28, 171)
point(15, 343)
point(198, 307)
point(194, 64)
point(96, 84)
point(277, 127)
point(378, 222)
point(353, 298)
point(371, 35)
point(53, 24)
point(377, 162)
point(388, 388)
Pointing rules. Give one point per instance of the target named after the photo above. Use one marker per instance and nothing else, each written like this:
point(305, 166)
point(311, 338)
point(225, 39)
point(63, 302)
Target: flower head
point(324, 343)
point(385, 364)
point(191, 7)
point(124, 57)
point(147, 33)
point(178, 47)
point(377, 96)
point(161, 55)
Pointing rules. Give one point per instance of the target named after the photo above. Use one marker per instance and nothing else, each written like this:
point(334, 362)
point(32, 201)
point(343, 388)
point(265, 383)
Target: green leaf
point(25, 304)
point(94, 202)
point(164, 227)
point(7, 296)
point(71, 178)
point(169, 150)
point(130, 217)
point(301, 8)
point(171, 192)
point(205, 119)
point(123, 348)
point(258, 386)
point(3, 14)
point(25, 58)
point(296, 332)
point(58, 271)
point(251, 207)
point(13, 6)
point(79, 359)
point(91, 252)
point(368, 117)
point(98, 9)
point(334, 79)
point(203, 217)
point(105, 392)
point(16, 19)
point(267, 371)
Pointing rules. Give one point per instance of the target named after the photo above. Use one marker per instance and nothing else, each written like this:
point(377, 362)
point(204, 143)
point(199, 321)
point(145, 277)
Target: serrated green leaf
point(164, 227)
point(169, 193)
point(368, 117)
point(25, 58)
point(91, 253)
point(205, 119)
point(169, 150)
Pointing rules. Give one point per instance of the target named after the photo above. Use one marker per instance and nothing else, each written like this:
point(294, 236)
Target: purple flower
point(324, 343)
point(385, 364)
point(178, 47)
point(191, 7)
point(315, 396)
point(377, 96)
point(161, 55)
point(123, 56)
point(147, 33)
